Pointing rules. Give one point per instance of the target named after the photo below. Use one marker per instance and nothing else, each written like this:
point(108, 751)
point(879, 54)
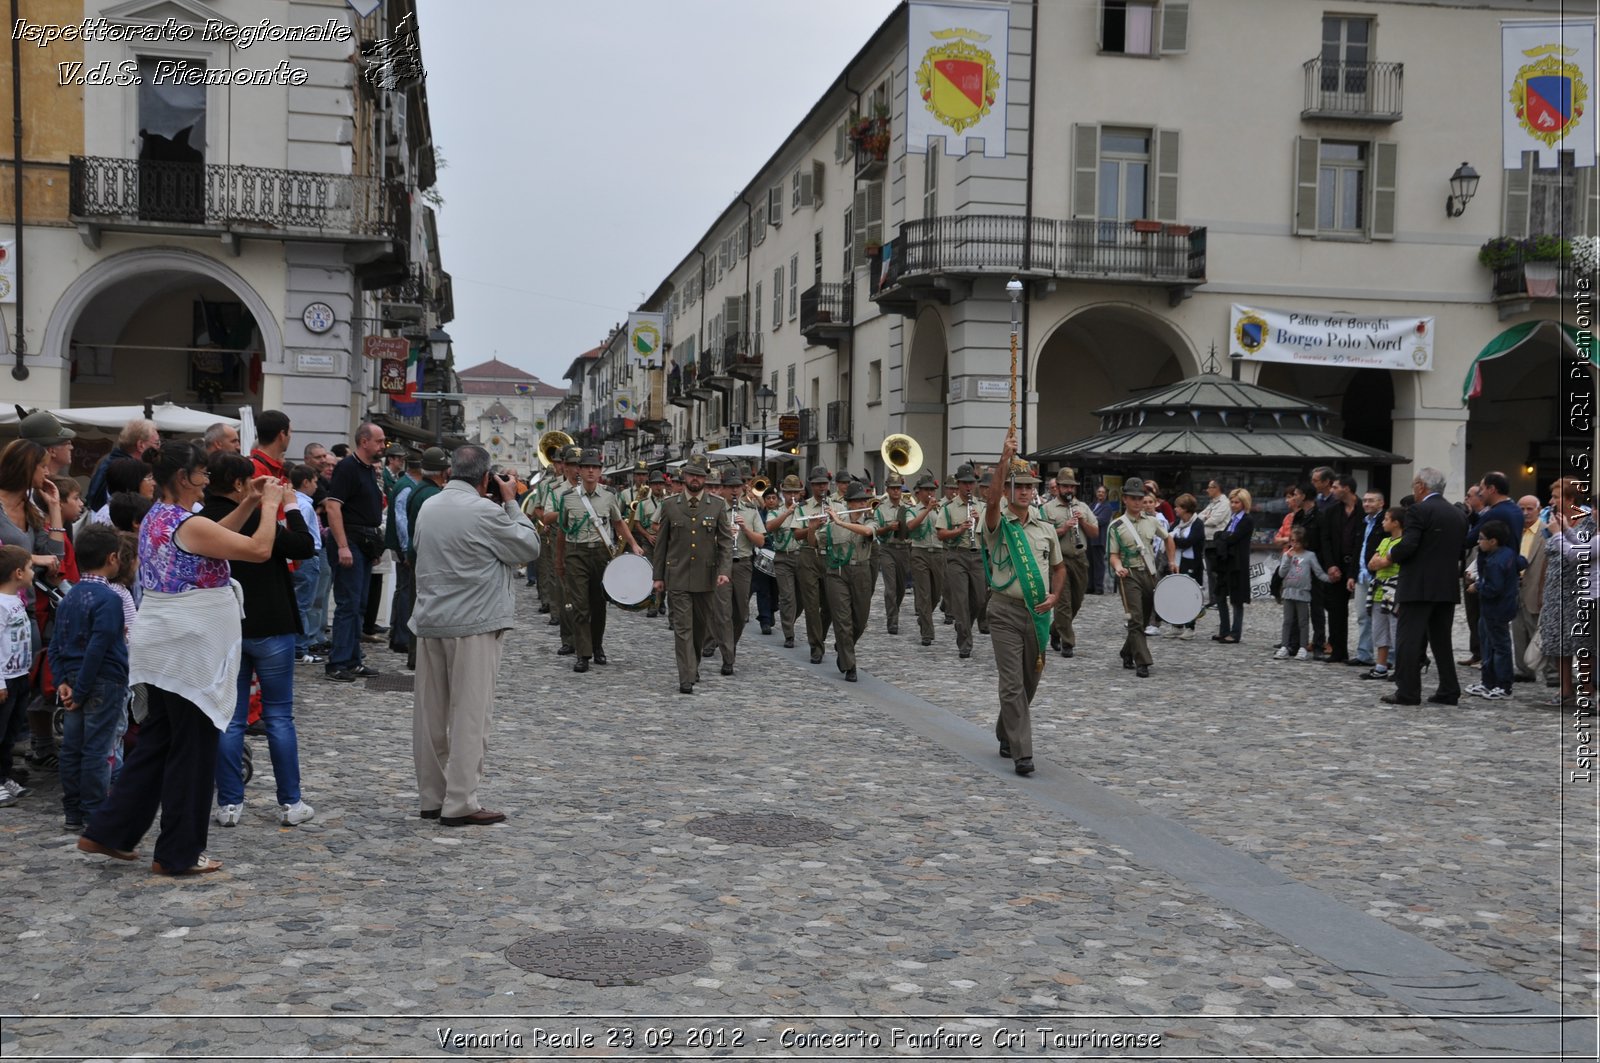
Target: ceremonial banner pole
point(1014, 289)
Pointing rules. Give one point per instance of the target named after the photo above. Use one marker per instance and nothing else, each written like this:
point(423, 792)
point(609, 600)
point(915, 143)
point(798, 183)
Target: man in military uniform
point(536, 506)
point(552, 519)
point(951, 493)
point(1074, 524)
point(733, 600)
point(894, 551)
point(693, 557)
point(926, 555)
point(1131, 545)
point(642, 518)
point(1023, 556)
point(591, 522)
point(845, 541)
point(812, 568)
point(785, 547)
point(964, 586)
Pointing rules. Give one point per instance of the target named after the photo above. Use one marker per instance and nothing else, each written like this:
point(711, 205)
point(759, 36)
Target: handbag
point(368, 540)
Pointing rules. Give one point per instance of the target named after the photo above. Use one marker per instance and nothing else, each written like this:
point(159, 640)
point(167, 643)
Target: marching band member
point(927, 557)
point(786, 556)
point(1131, 547)
point(964, 587)
point(812, 567)
point(846, 540)
point(591, 518)
point(733, 598)
point(554, 516)
point(894, 558)
point(1022, 555)
point(1074, 522)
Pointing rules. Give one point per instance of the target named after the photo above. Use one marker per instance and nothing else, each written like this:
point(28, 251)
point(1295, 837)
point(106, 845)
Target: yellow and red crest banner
point(957, 57)
point(1547, 70)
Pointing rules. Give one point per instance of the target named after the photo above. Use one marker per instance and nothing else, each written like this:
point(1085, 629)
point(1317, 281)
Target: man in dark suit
point(1429, 554)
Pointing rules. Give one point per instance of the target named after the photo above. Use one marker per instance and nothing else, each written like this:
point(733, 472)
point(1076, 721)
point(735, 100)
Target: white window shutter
point(1174, 27)
point(775, 206)
point(859, 216)
point(1587, 192)
point(1307, 155)
point(1165, 206)
point(819, 178)
point(733, 315)
point(802, 178)
point(794, 191)
point(1100, 28)
point(841, 142)
point(1385, 178)
point(1518, 189)
point(777, 297)
point(1085, 170)
point(758, 235)
point(874, 192)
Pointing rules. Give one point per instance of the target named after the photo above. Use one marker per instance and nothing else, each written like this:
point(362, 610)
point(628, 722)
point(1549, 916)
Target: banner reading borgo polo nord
point(1332, 337)
point(958, 61)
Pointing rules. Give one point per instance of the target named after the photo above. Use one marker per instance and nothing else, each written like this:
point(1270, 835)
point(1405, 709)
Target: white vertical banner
point(957, 56)
point(8, 271)
point(645, 333)
point(1547, 74)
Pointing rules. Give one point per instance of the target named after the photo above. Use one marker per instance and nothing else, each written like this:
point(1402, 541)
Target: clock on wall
point(318, 318)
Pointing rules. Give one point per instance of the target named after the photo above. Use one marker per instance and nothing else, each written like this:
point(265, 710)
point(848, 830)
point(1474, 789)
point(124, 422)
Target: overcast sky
point(588, 145)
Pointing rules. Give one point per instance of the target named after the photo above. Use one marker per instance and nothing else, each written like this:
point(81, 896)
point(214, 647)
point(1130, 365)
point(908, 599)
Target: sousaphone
point(551, 444)
point(902, 454)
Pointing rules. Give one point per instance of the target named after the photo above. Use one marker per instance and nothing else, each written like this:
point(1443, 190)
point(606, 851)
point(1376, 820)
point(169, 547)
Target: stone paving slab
point(948, 891)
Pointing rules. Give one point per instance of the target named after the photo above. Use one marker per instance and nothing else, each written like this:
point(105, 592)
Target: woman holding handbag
point(1233, 552)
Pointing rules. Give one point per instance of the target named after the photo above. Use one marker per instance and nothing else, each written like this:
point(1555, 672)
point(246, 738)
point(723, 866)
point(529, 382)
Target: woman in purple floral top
point(185, 649)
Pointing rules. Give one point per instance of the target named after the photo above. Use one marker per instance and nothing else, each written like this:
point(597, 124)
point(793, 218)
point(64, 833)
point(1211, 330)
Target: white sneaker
point(295, 814)
point(1282, 654)
point(1477, 690)
point(228, 815)
point(7, 798)
point(1497, 693)
point(14, 788)
point(1186, 634)
point(1153, 629)
point(1302, 655)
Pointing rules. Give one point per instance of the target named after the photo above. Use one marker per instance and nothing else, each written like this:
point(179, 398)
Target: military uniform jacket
point(783, 539)
point(1075, 544)
point(809, 508)
point(645, 512)
point(743, 548)
point(694, 544)
point(840, 546)
point(579, 527)
point(889, 513)
point(923, 536)
point(1127, 533)
point(955, 515)
point(1041, 537)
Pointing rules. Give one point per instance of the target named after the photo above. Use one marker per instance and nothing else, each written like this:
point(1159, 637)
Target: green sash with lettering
point(1024, 567)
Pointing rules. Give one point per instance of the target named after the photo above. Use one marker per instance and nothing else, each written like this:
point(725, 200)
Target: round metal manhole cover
point(762, 828)
point(609, 957)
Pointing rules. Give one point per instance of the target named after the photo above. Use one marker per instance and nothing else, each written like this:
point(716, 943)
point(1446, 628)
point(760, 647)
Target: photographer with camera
point(467, 548)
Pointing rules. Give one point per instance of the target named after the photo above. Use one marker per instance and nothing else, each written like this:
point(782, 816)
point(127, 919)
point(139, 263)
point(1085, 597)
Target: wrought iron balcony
point(722, 360)
point(808, 426)
point(839, 422)
point(970, 245)
point(746, 360)
point(825, 313)
point(870, 137)
point(181, 197)
point(677, 392)
point(1518, 283)
point(1363, 92)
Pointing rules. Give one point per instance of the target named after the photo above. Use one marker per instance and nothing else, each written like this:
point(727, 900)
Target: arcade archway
point(927, 371)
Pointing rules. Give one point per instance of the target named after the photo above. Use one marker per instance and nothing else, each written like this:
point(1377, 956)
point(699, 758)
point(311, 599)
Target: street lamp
point(1463, 186)
point(766, 402)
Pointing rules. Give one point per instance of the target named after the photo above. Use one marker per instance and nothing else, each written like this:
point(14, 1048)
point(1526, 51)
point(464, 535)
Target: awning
point(750, 450)
point(168, 417)
point(1264, 446)
point(1509, 340)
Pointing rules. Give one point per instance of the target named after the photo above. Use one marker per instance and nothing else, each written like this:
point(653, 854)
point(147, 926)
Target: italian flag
point(406, 404)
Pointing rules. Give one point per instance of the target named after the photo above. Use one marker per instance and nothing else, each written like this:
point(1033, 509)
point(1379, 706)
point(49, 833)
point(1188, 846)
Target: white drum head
point(627, 580)
point(1179, 599)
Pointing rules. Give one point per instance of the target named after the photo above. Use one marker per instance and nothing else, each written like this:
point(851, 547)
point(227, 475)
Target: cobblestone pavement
point(952, 892)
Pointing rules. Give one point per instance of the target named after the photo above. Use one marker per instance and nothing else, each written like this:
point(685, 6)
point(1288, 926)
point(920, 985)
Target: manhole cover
point(762, 828)
point(609, 957)
point(398, 683)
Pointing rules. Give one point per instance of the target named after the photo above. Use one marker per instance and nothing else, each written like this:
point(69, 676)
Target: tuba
point(551, 444)
point(902, 454)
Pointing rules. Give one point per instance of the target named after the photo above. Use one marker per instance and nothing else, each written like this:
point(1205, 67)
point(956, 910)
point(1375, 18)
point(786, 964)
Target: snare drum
point(766, 561)
point(628, 581)
point(1179, 599)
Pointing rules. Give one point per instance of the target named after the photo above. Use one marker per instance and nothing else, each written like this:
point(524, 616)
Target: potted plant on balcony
point(870, 134)
point(1542, 257)
point(1500, 252)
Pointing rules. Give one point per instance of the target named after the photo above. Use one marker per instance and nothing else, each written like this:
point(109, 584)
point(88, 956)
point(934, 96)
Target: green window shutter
point(1307, 152)
point(1166, 199)
point(1518, 194)
point(1174, 27)
point(1385, 178)
point(1085, 170)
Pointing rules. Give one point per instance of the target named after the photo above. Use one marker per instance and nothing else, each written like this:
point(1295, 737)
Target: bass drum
point(1179, 599)
point(627, 581)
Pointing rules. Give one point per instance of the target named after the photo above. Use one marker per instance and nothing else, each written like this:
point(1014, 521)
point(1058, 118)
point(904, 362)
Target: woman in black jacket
point(1233, 550)
point(270, 626)
point(1190, 536)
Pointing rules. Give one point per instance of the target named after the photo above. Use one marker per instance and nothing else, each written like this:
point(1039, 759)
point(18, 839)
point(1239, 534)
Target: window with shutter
point(1166, 197)
point(858, 228)
point(819, 178)
point(775, 206)
point(794, 286)
point(849, 242)
point(930, 180)
point(777, 298)
point(791, 387)
point(1342, 187)
point(794, 191)
point(1174, 27)
point(841, 142)
point(1385, 177)
point(758, 234)
point(755, 320)
point(1127, 26)
point(802, 179)
point(1085, 170)
point(1307, 151)
point(874, 225)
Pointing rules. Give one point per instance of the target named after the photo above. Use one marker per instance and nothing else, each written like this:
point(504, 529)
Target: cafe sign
point(1332, 338)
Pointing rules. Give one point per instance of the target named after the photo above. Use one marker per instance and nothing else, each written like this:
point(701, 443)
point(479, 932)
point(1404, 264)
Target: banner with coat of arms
point(1333, 338)
point(1547, 74)
point(957, 55)
point(645, 334)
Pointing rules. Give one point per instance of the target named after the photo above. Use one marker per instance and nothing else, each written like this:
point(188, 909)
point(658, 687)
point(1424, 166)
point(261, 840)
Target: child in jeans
point(89, 658)
point(16, 660)
point(1296, 569)
point(1499, 579)
point(1385, 582)
point(308, 573)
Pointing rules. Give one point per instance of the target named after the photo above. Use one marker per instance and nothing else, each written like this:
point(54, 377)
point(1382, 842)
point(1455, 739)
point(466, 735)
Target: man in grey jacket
point(467, 548)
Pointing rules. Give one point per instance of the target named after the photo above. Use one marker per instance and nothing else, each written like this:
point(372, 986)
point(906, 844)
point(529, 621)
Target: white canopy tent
point(750, 450)
point(168, 417)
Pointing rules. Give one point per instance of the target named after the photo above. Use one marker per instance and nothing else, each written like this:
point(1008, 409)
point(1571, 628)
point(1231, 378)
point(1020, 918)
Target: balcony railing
point(1548, 280)
point(838, 422)
point(137, 193)
point(808, 426)
point(677, 391)
point(870, 137)
point(1084, 249)
point(825, 311)
point(1368, 92)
